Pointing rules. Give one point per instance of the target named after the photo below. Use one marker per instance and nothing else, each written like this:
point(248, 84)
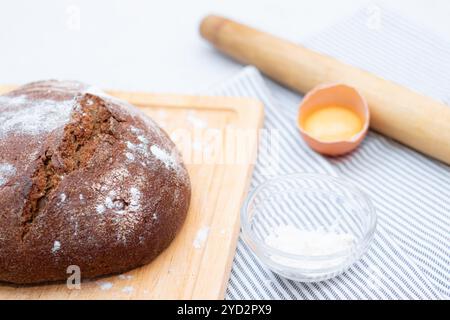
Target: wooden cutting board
point(198, 262)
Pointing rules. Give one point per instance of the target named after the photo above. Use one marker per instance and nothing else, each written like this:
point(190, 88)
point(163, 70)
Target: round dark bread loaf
point(85, 180)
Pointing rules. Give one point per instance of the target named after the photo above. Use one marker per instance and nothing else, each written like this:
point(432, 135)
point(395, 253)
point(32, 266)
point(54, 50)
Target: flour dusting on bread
point(6, 172)
point(162, 155)
point(20, 115)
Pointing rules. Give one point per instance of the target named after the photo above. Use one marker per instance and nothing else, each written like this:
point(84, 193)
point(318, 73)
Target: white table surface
point(155, 45)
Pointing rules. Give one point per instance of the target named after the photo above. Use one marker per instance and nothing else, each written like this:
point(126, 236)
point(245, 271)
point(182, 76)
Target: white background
point(155, 45)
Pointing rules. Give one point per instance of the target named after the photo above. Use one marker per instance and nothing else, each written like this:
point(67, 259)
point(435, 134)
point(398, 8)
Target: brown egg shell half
point(334, 94)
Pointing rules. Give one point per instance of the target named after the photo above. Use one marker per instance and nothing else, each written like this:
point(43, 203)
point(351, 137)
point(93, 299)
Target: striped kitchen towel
point(409, 257)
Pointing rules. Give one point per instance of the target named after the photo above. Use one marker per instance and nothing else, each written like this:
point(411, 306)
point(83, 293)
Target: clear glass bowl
point(309, 202)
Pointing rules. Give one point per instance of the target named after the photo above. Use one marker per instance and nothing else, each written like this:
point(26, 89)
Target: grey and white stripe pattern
point(409, 257)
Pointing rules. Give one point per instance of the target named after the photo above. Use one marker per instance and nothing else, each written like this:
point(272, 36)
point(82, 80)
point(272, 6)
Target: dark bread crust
point(96, 184)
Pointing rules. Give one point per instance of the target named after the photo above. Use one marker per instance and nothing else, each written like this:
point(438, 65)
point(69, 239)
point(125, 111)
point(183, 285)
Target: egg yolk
point(332, 123)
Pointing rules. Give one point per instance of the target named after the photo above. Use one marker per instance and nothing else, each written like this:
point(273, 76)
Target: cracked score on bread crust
point(86, 180)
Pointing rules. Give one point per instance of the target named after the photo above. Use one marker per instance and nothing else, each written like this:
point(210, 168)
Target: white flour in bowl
point(292, 240)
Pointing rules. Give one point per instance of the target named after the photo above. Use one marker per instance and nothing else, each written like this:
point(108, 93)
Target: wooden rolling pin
point(413, 119)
